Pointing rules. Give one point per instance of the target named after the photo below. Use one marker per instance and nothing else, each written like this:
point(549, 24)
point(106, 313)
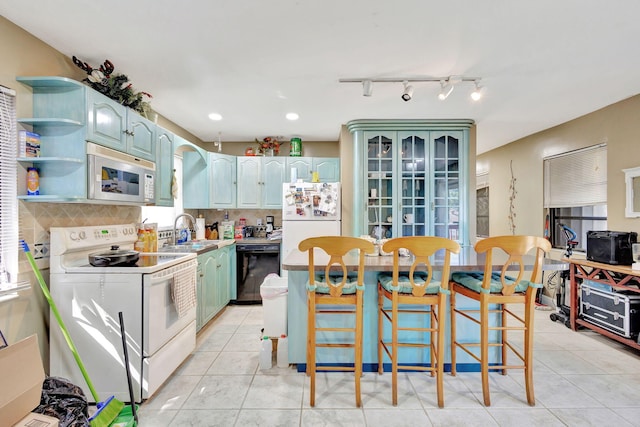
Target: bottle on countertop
point(33, 182)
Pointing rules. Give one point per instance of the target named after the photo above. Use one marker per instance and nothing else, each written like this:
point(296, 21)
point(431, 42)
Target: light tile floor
point(581, 379)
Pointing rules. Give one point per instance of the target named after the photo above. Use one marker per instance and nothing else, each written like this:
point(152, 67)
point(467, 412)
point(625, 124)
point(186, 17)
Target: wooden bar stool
point(335, 292)
point(493, 291)
point(415, 293)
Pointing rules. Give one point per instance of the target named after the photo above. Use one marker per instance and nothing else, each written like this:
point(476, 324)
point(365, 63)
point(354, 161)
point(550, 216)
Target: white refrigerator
point(309, 209)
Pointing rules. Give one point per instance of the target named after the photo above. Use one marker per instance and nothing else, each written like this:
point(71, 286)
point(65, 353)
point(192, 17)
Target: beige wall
point(618, 125)
point(347, 172)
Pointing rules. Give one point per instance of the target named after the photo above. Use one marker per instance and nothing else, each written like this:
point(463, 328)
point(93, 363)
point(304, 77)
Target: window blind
point(8, 189)
point(577, 178)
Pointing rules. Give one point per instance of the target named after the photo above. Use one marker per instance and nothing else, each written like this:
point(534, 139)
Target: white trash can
point(273, 291)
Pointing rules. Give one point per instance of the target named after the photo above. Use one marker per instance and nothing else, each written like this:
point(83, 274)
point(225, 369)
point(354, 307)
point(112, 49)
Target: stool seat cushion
point(386, 281)
point(473, 280)
point(322, 286)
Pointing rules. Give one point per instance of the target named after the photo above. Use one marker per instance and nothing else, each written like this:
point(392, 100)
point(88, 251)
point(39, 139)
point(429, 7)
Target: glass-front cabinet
point(415, 176)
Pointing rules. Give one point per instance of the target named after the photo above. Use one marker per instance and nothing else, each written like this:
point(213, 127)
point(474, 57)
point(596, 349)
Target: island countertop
point(296, 267)
point(467, 260)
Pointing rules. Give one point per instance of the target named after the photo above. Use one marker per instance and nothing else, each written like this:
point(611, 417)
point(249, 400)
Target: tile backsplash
point(35, 220)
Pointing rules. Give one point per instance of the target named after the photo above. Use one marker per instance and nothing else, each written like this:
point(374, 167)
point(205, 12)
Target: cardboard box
point(28, 144)
point(39, 420)
point(22, 376)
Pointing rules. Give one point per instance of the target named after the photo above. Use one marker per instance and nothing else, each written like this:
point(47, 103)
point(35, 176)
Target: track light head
point(445, 89)
point(367, 87)
point(477, 92)
point(408, 91)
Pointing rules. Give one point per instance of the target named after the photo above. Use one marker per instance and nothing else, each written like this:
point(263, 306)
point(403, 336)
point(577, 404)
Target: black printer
point(611, 247)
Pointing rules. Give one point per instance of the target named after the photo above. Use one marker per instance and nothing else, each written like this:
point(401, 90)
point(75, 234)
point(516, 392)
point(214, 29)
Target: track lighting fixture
point(218, 143)
point(367, 88)
point(477, 92)
point(446, 85)
point(445, 89)
point(408, 91)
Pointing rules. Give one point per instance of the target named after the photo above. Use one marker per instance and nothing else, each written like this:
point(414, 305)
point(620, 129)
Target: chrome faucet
point(175, 225)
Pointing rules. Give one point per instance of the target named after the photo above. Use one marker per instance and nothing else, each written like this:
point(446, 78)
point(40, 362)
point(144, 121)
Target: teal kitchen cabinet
point(223, 277)
point(164, 166)
point(303, 167)
point(223, 180)
point(260, 182)
point(58, 116)
point(414, 180)
point(328, 168)
point(208, 180)
point(206, 282)
point(195, 179)
point(215, 282)
point(116, 126)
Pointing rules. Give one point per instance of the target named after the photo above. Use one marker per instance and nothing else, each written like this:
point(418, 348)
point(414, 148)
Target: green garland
point(115, 86)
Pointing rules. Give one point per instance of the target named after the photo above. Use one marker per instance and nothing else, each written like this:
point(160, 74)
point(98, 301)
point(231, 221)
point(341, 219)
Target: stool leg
point(484, 348)
point(358, 346)
point(380, 329)
point(452, 315)
point(442, 299)
point(433, 338)
point(394, 349)
point(311, 350)
point(528, 348)
point(504, 337)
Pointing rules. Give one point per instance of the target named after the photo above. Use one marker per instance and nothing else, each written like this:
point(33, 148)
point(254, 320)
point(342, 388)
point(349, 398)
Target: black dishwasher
point(256, 260)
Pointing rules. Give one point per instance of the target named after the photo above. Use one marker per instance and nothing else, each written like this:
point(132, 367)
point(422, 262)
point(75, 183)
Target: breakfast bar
point(297, 267)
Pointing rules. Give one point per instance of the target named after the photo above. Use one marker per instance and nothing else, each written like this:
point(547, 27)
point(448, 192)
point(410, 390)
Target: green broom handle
point(52, 304)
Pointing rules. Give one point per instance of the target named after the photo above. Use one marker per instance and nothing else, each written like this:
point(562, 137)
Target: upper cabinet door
point(223, 180)
point(141, 137)
point(164, 167)
point(273, 176)
point(328, 168)
point(196, 179)
point(106, 121)
point(250, 183)
point(303, 167)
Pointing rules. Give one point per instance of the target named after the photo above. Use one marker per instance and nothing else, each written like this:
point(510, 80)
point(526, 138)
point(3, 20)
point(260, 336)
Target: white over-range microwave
point(119, 177)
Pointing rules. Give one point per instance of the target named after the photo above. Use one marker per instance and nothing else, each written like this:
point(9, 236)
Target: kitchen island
point(296, 265)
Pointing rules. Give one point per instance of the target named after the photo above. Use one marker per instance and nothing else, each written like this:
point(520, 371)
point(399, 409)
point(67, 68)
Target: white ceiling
point(541, 62)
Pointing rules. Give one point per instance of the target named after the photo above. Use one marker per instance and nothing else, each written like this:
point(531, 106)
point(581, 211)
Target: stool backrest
point(422, 248)
point(517, 248)
point(337, 248)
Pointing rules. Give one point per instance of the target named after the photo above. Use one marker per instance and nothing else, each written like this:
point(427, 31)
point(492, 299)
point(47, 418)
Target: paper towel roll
point(199, 228)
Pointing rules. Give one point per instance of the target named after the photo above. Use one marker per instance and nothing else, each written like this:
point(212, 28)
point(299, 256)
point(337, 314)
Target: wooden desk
point(620, 277)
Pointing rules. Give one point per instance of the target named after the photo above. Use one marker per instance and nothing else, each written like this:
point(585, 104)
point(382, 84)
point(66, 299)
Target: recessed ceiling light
point(215, 116)
point(292, 116)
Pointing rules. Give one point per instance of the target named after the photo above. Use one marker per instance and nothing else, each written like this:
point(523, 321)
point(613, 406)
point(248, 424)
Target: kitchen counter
point(296, 265)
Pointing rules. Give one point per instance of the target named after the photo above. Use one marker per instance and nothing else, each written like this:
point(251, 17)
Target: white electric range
point(156, 297)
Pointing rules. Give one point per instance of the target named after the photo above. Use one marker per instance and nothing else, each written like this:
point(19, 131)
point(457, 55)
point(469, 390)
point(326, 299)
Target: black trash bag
point(65, 401)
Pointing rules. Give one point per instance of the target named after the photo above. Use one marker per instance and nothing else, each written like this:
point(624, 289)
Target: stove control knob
point(73, 236)
point(82, 235)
